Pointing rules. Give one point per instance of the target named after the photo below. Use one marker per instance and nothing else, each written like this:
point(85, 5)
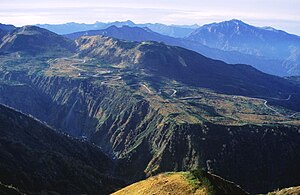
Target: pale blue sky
point(282, 14)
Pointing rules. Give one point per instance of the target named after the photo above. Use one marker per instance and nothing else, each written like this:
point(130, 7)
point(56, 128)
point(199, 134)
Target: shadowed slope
point(35, 159)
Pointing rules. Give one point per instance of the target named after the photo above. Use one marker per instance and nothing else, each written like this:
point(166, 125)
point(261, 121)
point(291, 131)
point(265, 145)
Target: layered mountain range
point(269, 50)
point(169, 30)
point(236, 35)
point(152, 107)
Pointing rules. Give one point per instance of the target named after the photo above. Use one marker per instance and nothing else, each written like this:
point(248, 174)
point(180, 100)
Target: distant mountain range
point(170, 30)
point(271, 66)
point(268, 42)
point(235, 35)
point(267, 49)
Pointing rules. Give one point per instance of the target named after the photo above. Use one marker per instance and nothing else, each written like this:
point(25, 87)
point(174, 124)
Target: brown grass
point(287, 191)
point(168, 183)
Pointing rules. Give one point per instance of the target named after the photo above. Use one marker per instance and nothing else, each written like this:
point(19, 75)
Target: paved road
point(190, 98)
point(174, 93)
point(266, 105)
point(147, 88)
point(78, 61)
point(270, 108)
point(114, 79)
point(186, 98)
point(264, 100)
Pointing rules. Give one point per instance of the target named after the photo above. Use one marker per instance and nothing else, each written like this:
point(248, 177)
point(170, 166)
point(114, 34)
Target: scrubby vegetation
point(199, 179)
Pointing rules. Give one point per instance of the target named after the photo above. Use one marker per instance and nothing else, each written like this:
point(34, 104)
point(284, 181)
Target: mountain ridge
point(35, 40)
point(195, 182)
point(235, 35)
point(170, 30)
point(233, 57)
point(189, 67)
point(7, 27)
point(36, 158)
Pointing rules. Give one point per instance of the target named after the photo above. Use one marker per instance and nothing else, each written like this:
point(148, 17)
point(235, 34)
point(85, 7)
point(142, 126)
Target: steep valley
point(152, 120)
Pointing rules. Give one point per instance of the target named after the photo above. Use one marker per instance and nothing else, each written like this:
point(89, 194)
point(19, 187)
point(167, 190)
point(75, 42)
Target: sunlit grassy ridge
point(196, 182)
point(286, 191)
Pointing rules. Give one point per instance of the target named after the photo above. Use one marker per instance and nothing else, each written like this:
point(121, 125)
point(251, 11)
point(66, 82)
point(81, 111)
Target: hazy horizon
point(280, 14)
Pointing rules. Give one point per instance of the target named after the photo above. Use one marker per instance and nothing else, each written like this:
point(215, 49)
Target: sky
point(280, 14)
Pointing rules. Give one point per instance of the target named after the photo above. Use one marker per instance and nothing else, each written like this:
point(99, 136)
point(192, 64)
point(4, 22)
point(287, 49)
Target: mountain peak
point(35, 40)
point(237, 21)
point(124, 23)
point(233, 25)
point(129, 22)
point(233, 22)
point(269, 28)
point(262, 42)
point(30, 28)
point(7, 27)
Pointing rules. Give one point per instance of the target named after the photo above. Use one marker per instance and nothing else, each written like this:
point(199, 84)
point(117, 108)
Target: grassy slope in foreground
point(184, 183)
point(287, 191)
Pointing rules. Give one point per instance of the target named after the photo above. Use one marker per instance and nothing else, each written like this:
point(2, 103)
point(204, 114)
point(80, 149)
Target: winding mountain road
point(266, 105)
point(174, 93)
point(114, 79)
point(147, 88)
point(258, 98)
point(191, 98)
point(261, 98)
point(278, 99)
